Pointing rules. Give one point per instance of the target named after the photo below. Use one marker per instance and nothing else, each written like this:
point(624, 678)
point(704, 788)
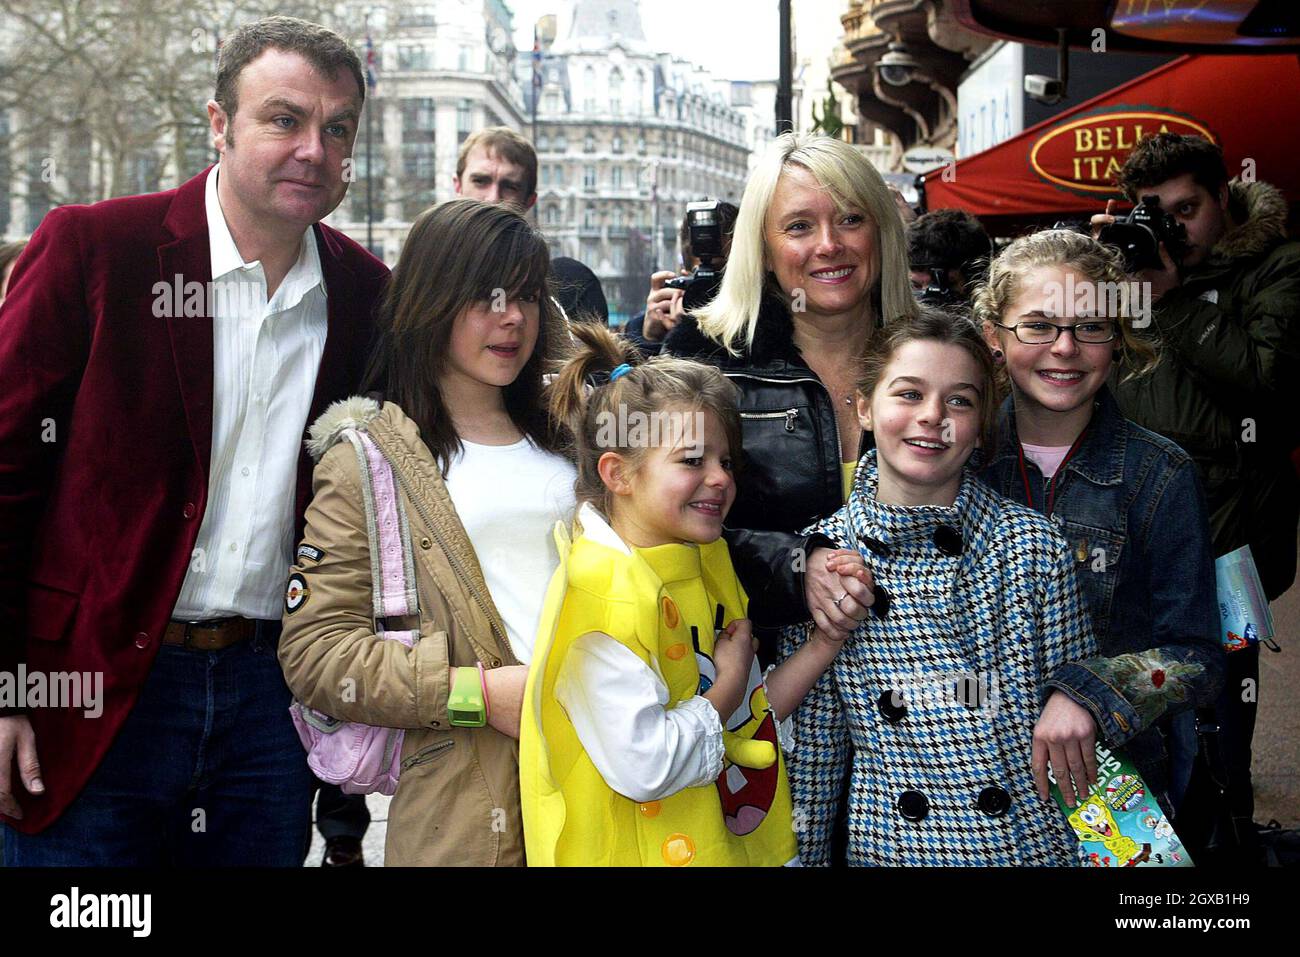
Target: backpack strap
point(392, 567)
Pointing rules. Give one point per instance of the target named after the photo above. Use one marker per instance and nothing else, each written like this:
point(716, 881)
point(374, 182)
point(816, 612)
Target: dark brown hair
point(324, 49)
point(462, 252)
point(1163, 156)
point(934, 324)
point(509, 145)
point(651, 386)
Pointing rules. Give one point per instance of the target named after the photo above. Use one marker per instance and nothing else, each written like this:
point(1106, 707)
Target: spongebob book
point(1121, 824)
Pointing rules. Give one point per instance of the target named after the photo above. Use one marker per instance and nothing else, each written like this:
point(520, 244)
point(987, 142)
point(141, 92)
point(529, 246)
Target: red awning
point(1065, 166)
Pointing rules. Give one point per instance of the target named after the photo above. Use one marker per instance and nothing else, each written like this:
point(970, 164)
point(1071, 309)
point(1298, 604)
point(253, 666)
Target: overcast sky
point(734, 39)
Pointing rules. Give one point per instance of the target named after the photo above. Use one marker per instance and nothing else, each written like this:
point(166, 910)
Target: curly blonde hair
point(1097, 262)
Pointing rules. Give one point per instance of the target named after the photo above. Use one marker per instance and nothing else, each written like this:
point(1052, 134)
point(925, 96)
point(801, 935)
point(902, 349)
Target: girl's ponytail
point(596, 351)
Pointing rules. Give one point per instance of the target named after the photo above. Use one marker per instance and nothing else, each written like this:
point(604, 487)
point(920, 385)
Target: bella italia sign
point(1085, 155)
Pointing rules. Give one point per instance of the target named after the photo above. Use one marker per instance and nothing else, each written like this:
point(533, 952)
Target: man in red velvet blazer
point(153, 477)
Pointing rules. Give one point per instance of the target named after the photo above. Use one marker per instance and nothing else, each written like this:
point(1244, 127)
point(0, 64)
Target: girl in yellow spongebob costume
point(625, 758)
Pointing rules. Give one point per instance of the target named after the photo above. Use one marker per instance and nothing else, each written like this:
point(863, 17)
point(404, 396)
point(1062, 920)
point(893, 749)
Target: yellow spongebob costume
point(648, 600)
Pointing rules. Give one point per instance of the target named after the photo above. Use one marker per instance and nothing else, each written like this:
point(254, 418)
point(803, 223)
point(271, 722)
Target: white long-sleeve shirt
point(265, 357)
point(618, 705)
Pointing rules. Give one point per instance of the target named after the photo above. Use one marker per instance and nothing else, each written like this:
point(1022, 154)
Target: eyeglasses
point(1040, 333)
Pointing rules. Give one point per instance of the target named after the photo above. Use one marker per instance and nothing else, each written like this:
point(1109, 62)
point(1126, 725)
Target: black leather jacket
point(790, 476)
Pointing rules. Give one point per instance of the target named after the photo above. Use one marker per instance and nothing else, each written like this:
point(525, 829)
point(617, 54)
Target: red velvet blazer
point(105, 440)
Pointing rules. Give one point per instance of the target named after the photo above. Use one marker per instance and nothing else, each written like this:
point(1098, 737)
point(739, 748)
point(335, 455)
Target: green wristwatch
point(465, 705)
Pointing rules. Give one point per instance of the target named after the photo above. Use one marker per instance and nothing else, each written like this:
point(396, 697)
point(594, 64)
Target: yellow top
point(847, 469)
point(647, 600)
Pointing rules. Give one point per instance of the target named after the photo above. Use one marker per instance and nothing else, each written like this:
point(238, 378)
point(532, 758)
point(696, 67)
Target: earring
point(997, 355)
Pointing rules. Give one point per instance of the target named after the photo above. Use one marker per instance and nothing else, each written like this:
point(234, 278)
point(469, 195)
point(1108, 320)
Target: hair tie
point(621, 370)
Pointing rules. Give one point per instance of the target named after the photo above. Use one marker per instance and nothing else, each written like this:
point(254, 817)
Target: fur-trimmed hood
point(1261, 210)
point(773, 340)
point(354, 412)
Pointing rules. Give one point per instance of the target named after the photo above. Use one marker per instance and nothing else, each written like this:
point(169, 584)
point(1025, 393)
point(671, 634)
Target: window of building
point(543, 143)
point(589, 90)
point(616, 218)
point(589, 218)
point(557, 175)
point(552, 215)
point(616, 177)
point(418, 164)
point(561, 143)
point(462, 62)
point(418, 15)
point(418, 120)
point(589, 177)
point(618, 256)
point(616, 91)
point(638, 106)
point(589, 143)
point(414, 56)
point(464, 120)
point(618, 143)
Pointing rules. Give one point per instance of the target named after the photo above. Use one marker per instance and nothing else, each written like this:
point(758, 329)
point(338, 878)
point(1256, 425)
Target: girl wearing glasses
point(1056, 310)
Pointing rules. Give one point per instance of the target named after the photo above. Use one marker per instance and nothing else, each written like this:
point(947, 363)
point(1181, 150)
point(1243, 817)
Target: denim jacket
point(1130, 504)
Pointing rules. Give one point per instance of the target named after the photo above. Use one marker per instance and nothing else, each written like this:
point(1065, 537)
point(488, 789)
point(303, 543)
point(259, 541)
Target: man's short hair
point(507, 144)
point(324, 49)
point(1163, 156)
point(948, 239)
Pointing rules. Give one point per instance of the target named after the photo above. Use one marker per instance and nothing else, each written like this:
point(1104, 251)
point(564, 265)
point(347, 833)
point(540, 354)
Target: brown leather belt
point(214, 635)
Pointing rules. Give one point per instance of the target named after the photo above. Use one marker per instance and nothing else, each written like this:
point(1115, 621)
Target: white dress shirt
point(265, 357)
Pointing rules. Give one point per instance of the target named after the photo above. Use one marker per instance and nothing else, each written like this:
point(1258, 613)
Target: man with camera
point(948, 253)
point(1225, 284)
point(705, 237)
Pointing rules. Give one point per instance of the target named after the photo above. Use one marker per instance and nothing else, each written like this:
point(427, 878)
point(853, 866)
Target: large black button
point(880, 607)
point(948, 540)
point(970, 691)
point(875, 545)
point(994, 801)
point(892, 706)
point(913, 805)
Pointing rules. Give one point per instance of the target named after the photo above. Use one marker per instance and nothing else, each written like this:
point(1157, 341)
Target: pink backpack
point(360, 758)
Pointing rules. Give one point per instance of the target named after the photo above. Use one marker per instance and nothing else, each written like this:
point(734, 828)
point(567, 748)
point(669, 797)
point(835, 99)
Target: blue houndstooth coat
point(938, 699)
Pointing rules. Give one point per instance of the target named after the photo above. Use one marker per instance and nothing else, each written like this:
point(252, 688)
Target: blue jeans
point(207, 771)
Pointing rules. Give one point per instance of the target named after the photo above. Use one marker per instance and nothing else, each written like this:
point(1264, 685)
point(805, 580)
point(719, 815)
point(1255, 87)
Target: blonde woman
point(818, 263)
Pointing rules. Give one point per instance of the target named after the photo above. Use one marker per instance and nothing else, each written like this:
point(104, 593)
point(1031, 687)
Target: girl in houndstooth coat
point(930, 707)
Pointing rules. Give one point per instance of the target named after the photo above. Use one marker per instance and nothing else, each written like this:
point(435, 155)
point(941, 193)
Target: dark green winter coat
point(1226, 386)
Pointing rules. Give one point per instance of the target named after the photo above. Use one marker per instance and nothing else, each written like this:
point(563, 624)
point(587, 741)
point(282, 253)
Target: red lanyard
point(1051, 483)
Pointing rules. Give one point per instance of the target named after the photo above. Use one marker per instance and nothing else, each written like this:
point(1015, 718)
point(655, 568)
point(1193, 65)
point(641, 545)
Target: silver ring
point(836, 601)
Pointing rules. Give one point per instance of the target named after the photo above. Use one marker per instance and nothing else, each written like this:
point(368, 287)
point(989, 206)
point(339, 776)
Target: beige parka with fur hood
point(457, 799)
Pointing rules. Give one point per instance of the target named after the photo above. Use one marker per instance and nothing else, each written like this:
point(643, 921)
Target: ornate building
point(626, 137)
point(444, 70)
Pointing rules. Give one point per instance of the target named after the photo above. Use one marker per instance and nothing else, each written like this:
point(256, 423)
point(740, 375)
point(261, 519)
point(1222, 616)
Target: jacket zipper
point(425, 756)
point(451, 557)
point(817, 382)
point(789, 415)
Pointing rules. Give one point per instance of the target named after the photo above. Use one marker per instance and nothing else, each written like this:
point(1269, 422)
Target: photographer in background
point(1226, 318)
point(948, 253)
point(665, 304)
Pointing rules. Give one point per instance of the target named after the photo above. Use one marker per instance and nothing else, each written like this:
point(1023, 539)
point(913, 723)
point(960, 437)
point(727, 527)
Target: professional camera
point(705, 227)
point(1138, 236)
point(939, 292)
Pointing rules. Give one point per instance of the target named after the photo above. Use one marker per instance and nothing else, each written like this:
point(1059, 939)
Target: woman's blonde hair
point(1095, 261)
point(731, 318)
point(651, 386)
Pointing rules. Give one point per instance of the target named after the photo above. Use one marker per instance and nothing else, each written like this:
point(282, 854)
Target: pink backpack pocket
point(362, 758)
